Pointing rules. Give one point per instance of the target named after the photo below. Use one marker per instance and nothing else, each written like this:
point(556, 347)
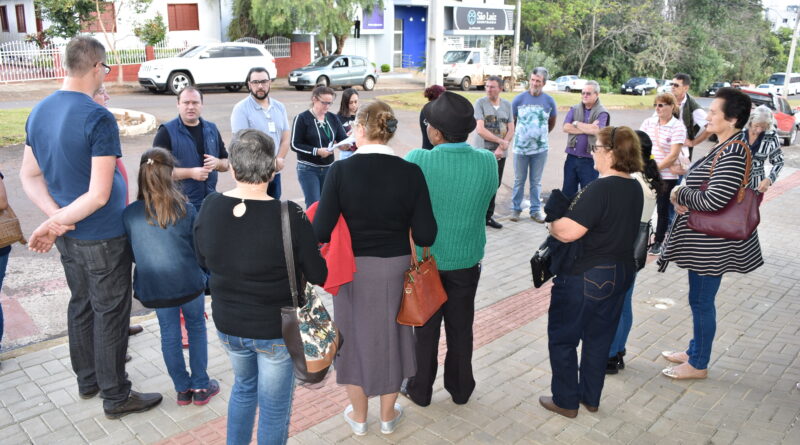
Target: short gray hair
point(593, 84)
point(761, 115)
point(541, 71)
point(82, 54)
point(252, 156)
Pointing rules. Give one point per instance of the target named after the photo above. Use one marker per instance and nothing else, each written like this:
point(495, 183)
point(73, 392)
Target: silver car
point(343, 71)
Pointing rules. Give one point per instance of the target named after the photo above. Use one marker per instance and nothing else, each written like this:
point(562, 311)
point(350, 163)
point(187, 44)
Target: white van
point(778, 80)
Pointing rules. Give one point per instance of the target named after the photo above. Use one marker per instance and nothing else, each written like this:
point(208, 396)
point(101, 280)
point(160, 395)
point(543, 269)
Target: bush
point(385, 68)
point(533, 56)
point(151, 31)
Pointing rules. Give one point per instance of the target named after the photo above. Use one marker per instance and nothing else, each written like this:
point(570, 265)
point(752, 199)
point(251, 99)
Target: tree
point(66, 17)
point(326, 17)
point(119, 8)
point(151, 31)
point(663, 47)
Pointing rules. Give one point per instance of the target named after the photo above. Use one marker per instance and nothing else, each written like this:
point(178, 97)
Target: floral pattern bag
point(311, 337)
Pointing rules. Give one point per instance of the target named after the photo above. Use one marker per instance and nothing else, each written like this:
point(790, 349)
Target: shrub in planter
point(385, 68)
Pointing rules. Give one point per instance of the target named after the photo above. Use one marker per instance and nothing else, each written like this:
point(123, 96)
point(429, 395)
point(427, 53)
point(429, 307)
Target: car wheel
point(323, 81)
point(506, 85)
point(643, 92)
point(369, 83)
point(299, 87)
point(233, 88)
point(178, 81)
point(790, 140)
point(466, 83)
point(567, 90)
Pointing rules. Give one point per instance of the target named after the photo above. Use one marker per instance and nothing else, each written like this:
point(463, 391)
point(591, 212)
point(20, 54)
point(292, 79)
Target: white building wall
point(11, 16)
point(781, 13)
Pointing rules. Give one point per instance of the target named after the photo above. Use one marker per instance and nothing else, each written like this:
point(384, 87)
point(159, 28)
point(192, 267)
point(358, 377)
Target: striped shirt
point(766, 146)
point(697, 251)
point(674, 132)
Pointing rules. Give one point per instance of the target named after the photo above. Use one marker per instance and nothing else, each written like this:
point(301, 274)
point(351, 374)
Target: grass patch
point(415, 101)
point(12, 126)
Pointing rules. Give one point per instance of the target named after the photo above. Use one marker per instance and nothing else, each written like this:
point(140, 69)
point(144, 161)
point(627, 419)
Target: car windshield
point(456, 56)
point(191, 51)
point(324, 61)
point(760, 99)
point(763, 85)
point(637, 81)
point(776, 79)
point(717, 85)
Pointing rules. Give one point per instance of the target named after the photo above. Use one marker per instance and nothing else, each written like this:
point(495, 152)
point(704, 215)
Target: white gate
point(279, 46)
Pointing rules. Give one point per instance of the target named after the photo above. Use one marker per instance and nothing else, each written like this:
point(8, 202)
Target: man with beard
point(196, 145)
point(266, 114)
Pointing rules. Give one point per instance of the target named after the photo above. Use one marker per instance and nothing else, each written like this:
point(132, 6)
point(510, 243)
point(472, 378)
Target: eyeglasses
point(327, 104)
point(585, 93)
point(593, 148)
point(105, 67)
point(260, 82)
point(661, 105)
point(675, 85)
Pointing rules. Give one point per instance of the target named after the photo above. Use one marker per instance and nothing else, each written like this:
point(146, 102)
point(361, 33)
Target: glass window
point(233, 51)
point(251, 52)
point(359, 62)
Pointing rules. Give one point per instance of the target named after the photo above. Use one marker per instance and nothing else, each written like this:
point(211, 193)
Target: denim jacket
point(166, 273)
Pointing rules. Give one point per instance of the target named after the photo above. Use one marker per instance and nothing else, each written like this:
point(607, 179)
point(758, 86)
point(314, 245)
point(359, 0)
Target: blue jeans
point(311, 181)
point(578, 173)
point(169, 320)
point(263, 377)
point(3, 264)
point(98, 274)
point(702, 291)
point(274, 187)
point(528, 167)
point(584, 308)
point(625, 323)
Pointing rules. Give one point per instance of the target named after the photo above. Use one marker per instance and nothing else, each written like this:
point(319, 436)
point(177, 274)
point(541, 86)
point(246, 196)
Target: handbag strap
point(426, 251)
point(747, 167)
point(288, 253)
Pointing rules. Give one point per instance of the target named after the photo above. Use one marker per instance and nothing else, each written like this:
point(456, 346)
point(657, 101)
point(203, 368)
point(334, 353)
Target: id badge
point(271, 127)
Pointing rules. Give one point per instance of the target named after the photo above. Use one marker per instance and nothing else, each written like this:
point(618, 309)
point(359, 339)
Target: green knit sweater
point(461, 181)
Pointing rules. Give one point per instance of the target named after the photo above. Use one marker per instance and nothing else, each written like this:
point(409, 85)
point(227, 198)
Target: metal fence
point(279, 46)
point(21, 61)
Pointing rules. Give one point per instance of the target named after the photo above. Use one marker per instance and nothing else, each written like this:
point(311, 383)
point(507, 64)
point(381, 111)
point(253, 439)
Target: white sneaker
point(514, 216)
point(538, 216)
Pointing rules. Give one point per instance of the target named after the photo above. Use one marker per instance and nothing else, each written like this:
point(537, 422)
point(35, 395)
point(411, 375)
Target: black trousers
point(501, 164)
point(663, 205)
point(458, 314)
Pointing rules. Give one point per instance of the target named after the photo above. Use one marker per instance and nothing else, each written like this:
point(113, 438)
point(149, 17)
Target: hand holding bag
point(10, 230)
point(540, 265)
point(681, 165)
point(740, 217)
point(308, 331)
point(423, 292)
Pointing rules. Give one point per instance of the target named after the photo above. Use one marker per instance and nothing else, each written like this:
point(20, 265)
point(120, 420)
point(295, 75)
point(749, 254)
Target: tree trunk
point(321, 47)
point(340, 43)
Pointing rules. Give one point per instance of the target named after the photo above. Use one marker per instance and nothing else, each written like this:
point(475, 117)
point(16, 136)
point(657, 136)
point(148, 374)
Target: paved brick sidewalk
point(750, 396)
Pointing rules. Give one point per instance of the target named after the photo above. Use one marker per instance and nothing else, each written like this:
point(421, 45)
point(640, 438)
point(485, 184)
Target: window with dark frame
point(183, 17)
point(21, 18)
point(4, 19)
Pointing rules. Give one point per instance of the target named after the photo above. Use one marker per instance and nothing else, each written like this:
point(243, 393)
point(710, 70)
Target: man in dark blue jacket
point(197, 146)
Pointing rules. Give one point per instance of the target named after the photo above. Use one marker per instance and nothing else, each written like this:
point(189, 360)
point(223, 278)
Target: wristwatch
point(575, 124)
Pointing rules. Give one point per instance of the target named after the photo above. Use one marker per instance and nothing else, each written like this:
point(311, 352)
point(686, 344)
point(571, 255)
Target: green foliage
point(385, 68)
point(151, 31)
point(533, 56)
point(65, 16)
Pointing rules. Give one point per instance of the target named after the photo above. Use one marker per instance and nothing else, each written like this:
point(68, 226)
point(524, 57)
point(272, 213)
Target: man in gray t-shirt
point(494, 132)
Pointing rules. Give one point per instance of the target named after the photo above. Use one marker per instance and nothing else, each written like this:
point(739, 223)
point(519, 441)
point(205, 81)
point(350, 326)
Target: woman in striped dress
point(764, 144)
point(707, 258)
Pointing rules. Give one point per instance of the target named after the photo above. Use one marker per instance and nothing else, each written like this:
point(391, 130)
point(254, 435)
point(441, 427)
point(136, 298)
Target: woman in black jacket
point(314, 132)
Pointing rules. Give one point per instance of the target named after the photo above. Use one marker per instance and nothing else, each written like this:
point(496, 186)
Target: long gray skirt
point(378, 353)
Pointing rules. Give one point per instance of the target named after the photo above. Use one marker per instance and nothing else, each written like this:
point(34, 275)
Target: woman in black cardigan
point(314, 131)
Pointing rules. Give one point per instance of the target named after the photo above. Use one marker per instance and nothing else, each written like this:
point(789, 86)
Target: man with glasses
point(534, 119)
point(495, 129)
point(265, 114)
point(692, 114)
point(69, 171)
point(582, 123)
point(197, 146)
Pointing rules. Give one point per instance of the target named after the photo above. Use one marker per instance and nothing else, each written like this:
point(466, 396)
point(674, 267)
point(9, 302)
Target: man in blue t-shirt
point(69, 171)
point(534, 119)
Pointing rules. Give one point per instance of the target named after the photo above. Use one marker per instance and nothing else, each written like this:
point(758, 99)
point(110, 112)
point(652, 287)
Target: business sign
point(481, 19)
point(373, 20)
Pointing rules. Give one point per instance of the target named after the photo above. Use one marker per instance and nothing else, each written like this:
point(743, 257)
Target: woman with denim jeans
point(586, 302)
point(314, 132)
point(167, 276)
point(4, 252)
point(238, 239)
point(706, 257)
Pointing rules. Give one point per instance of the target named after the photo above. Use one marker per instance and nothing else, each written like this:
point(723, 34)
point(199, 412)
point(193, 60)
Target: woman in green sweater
point(461, 181)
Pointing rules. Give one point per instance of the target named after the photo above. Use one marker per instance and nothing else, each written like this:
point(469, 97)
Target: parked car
point(787, 119)
point(664, 86)
point(570, 83)
point(219, 64)
point(711, 91)
point(342, 71)
point(768, 88)
point(639, 85)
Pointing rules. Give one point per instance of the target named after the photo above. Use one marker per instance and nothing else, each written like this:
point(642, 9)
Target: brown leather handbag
point(10, 229)
point(423, 293)
point(739, 218)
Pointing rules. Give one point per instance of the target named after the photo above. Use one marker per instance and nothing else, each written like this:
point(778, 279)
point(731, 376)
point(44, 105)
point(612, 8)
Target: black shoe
point(612, 365)
point(128, 358)
point(493, 224)
point(185, 398)
point(621, 364)
point(404, 392)
point(655, 249)
point(203, 396)
point(137, 403)
point(135, 329)
point(86, 395)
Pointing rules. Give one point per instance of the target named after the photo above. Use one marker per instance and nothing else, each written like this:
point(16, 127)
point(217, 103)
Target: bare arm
point(286, 135)
point(486, 134)
point(34, 184)
point(196, 173)
point(567, 230)
point(3, 196)
point(551, 123)
point(674, 152)
point(100, 183)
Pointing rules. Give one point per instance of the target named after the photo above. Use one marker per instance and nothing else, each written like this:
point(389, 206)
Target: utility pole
point(792, 48)
point(433, 62)
point(515, 51)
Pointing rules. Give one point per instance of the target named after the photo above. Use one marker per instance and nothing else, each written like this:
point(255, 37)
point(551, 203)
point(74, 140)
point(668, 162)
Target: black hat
point(451, 114)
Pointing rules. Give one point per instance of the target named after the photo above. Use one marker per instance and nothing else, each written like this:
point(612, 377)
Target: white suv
point(223, 64)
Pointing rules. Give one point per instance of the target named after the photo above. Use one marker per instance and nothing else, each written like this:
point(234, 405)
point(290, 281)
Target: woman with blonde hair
point(381, 197)
point(167, 276)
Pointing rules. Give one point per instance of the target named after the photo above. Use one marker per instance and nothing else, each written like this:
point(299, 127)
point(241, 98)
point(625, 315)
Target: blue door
point(415, 30)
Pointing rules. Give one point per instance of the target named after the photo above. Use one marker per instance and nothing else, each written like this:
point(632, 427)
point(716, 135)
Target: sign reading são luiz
point(480, 19)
